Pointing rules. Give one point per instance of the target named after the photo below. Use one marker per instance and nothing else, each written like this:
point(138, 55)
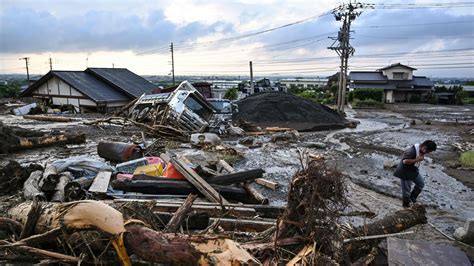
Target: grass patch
point(467, 159)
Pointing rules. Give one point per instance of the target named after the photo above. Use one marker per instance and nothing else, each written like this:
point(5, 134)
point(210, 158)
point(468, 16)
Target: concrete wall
point(389, 96)
point(304, 83)
point(407, 73)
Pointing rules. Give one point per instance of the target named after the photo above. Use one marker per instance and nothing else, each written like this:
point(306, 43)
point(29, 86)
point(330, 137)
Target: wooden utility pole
point(345, 13)
point(172, 62)
point(251, 79)
point(27, 63)
point(50, 63)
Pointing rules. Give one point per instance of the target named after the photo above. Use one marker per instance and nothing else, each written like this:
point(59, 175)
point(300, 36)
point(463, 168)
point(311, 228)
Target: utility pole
point(113, 65)
point(27, 62)
point(345, 13)
point(172, 62)
point(251, 78)
point(50, 63)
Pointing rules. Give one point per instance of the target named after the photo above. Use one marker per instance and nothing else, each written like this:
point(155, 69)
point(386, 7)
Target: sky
point(287, 38)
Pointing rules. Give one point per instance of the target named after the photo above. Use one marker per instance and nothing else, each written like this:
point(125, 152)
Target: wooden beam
point(267, 183)
point(210, 193)
point(251, 190)
point(243, 224)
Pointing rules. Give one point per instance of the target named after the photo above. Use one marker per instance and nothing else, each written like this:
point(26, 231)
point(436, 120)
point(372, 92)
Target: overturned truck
point(184, 108)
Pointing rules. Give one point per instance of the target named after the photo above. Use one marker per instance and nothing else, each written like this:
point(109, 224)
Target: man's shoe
point(406, 202)
point(414, 194)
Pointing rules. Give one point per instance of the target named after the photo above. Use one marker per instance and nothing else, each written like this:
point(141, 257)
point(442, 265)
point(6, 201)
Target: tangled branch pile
point(315, 200)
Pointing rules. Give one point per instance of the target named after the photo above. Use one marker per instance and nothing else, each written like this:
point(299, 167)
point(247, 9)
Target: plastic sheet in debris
point(82, 166)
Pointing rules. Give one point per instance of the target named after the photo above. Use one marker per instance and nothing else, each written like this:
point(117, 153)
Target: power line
point(415, 24)
point(231, 39)
point(414, 38)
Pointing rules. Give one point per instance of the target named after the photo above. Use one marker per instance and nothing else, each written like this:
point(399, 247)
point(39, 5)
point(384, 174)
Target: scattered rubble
point(175, 196)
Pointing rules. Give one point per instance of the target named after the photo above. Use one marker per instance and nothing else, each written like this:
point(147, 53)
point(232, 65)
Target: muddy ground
point(359, 153)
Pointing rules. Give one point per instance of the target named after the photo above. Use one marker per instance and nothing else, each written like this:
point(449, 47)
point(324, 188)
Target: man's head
point(427, 146)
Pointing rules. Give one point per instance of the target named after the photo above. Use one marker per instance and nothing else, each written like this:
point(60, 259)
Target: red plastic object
point(171, 172)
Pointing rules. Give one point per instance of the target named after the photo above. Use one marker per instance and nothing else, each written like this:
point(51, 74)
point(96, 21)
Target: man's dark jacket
point(407, 171)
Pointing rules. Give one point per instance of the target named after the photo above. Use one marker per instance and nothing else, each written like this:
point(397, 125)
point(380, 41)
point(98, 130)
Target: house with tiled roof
point(94, 89)
point(397, 81)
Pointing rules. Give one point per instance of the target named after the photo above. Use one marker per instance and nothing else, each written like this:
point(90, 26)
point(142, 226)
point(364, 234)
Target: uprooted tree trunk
point(392, 223)
point(15, 139)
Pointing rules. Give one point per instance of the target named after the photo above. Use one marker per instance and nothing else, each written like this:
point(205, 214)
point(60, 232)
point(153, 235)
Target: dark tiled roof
point(85, 83)
point(367, 76)
point(91, 86)
point(375, 79)
point(123, 79)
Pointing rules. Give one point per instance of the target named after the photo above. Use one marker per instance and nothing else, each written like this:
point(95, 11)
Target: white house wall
point(407, 73)
point(62, 93)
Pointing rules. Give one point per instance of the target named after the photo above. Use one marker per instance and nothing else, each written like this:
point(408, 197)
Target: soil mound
point(287, 110)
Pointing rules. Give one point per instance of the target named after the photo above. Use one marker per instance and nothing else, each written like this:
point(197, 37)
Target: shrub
point(467, 159)
point(432, 99)
point(231, 94)
point(366, 94)
point(350, 96)
point(308, 94)
point(11, 90)
point(460, 95)
point(415, 98)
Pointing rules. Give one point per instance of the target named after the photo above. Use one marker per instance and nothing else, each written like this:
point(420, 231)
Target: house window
point(398, 75)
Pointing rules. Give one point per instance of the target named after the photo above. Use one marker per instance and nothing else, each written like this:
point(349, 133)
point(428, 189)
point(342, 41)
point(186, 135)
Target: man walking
point(408, 172)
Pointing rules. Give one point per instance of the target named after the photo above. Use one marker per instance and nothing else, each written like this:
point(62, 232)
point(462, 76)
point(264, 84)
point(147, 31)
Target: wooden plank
point(267, 183)
point(308, 249)
point(210, 193)
point(278, 129)
point(101, 182)
point(226, 166)
point(244, 225)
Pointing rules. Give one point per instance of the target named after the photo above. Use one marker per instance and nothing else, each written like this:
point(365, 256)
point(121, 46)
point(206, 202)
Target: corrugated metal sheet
point(123, 79)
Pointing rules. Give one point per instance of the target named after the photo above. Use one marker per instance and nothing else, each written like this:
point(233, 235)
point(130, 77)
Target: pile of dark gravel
point(277, 109)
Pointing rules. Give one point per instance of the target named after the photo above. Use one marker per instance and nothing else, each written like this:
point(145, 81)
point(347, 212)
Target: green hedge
point(367, 94)
point(415, 98)
point(468, 100)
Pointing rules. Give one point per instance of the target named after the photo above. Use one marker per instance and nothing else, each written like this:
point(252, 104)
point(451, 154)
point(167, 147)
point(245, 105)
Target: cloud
point(29, 31)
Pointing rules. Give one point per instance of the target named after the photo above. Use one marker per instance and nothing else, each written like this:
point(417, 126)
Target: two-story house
point(397, 81)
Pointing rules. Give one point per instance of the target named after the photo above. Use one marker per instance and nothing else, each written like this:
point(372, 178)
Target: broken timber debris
point(147, 244)
point(177, 187)
point(48, 118)
point(209, 192)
